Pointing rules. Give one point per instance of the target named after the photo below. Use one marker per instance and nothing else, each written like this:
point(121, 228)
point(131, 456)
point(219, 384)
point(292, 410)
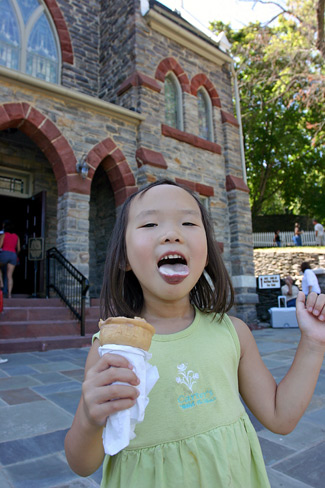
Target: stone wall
point(284, 262)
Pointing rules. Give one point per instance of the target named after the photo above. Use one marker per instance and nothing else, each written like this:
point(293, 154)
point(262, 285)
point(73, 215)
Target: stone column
point(241, 249)
point(73, 229)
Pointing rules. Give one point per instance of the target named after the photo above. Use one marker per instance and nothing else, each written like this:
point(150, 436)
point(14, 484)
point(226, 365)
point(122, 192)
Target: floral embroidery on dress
point(187, 378)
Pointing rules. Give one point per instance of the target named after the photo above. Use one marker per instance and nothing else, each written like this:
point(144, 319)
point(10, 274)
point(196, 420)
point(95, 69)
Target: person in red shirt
point(10, 244)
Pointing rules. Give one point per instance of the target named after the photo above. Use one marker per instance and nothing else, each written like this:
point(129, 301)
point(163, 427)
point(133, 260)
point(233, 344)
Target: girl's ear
point(127, 266)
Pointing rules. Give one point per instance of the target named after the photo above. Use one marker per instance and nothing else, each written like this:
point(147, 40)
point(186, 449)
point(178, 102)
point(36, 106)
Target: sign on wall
point(35, 248)
point(268, 281)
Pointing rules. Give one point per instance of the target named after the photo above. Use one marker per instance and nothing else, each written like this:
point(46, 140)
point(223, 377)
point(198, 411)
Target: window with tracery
point(204, 114)
point(173, 102)
point(28, 40)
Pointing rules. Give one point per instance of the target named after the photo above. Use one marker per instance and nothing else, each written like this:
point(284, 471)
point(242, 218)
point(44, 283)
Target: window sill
point(191, 139)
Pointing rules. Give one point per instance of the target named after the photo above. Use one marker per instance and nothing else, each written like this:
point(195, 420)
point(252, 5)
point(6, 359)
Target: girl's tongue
point(174, 270)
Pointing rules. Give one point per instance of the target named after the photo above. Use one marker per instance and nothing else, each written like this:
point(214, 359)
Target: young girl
point(163, 264)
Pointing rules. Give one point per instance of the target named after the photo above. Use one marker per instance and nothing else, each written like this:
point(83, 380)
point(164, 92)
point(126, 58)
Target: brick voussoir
point(236, 183)
point(74, 183)
point(15, 112)
point(150, 157)
point(229, 118)
point(4, 118)
point(121, 195)
point(50, 131)
point(139, 79)
point(191, 185)
point(207, 191)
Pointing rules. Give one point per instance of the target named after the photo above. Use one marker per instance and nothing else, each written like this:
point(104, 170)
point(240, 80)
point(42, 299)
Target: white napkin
point(120, 426)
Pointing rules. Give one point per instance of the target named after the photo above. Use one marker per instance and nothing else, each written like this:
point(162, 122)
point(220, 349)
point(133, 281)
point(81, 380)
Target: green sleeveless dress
point(195, 432)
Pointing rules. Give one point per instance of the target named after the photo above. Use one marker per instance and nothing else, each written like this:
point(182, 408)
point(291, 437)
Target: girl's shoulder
point(243, 332)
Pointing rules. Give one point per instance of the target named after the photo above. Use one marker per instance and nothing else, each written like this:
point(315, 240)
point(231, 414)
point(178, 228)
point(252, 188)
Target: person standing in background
point(10, 243)
point(309, 280)
point(3, 269)
point(319, 233)
point(297, 235)
point(276, 238)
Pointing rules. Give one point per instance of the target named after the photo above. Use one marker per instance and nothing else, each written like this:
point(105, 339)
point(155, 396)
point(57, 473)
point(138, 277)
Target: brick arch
point(116, 167)
point(62, 30)
point(50, 141)
point(202, 80)
point(170, 64)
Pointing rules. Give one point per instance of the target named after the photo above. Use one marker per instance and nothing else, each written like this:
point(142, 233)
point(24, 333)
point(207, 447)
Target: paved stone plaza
point(39, 393)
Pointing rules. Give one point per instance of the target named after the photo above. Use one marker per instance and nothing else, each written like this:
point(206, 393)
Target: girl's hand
point(101, 397)
point(311, 316)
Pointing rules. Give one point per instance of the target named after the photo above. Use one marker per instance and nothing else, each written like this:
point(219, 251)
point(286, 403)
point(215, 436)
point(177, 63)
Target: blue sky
point(237, 12)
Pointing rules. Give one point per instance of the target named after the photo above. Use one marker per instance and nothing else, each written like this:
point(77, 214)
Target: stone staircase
point(40, 324)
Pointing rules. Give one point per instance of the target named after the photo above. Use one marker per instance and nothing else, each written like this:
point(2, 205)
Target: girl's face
point(166, 242)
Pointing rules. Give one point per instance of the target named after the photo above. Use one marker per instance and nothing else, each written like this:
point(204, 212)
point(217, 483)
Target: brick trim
point(44, 133)
point(150, 157)
point(195, 141)
point(62, 30)
point(235, 183)
point(205, 190)
point(138, 79)
point(170, 64)
point(202, 80)
point(116, 167)
point(228, 118)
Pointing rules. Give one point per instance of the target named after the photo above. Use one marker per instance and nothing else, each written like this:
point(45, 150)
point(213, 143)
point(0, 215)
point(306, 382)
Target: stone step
point(8, 346)
point(26, 329)
point(27, 324)
point(32, 302)
point(34, 314)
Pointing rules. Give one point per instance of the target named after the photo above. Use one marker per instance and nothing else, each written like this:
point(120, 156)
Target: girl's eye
point(150, 224)
point(188, 223)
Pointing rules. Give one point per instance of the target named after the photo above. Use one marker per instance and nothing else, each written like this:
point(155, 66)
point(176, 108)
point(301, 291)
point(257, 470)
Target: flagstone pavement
point(39, 393)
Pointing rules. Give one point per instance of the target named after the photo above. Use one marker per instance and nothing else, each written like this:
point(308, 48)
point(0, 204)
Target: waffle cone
point(135, 332)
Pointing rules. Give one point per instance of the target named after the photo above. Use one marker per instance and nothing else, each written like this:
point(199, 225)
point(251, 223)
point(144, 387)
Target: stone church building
point(100, 97)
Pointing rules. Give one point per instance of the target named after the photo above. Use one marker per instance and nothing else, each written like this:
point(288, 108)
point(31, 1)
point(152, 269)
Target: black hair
point(121, 292)
point(8, 226)
point(305, 265)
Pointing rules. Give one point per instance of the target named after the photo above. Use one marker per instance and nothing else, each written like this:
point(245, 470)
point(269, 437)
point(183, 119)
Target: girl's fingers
point(108, 360)
point(104, 410)
point(103, 401)
point(315, 304)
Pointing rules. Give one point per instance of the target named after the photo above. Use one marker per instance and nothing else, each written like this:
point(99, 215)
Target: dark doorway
point(28, 215)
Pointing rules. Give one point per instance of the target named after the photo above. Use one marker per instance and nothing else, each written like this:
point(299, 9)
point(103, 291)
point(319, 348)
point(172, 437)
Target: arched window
point(173, 102)
point(28, 40)
point(204, 114)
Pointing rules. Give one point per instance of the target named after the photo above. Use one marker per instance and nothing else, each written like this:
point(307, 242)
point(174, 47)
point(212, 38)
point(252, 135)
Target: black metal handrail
point(68, 283)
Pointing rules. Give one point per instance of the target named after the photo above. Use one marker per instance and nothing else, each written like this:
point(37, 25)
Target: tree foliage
point(280, 70)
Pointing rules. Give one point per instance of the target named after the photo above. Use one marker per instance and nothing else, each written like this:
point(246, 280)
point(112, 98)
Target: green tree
point(280, 69)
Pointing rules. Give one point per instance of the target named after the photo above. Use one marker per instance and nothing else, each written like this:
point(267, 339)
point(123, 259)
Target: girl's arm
point(280, 407)
point(99, 399)
point(1, 240)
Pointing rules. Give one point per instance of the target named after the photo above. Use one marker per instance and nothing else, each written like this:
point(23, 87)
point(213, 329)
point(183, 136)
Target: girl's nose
point(172, 236)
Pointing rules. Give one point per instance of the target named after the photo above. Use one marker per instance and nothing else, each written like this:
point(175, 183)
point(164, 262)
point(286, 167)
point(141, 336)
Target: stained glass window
point(9, 36)
point(27, 7)
point(27, 39)
point(204, 114)
point(41, 52)
point(170, 102)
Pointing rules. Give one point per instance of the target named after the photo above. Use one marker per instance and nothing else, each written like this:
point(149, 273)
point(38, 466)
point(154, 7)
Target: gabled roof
point(185, 20)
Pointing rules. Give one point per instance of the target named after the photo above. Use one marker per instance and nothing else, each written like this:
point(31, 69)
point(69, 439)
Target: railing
point(68, 283)
point(265, 239)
